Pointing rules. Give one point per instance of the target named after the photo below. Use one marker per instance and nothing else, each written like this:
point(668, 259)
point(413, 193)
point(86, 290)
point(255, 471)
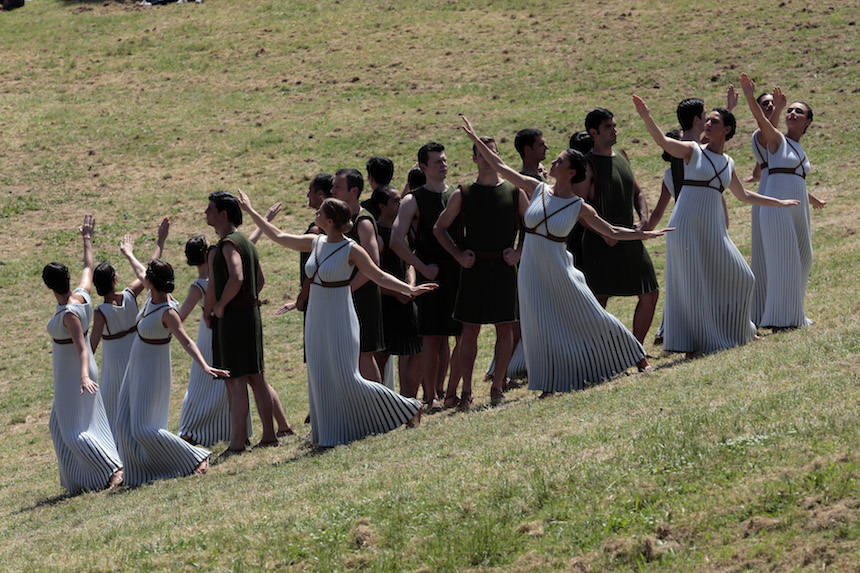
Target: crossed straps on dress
point(154, 340)
point(321, 282)
point(545, 220)
point(792, 170)
point(698, 183)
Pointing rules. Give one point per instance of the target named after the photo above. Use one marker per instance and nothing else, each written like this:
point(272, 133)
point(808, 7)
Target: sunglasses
point(796, 110)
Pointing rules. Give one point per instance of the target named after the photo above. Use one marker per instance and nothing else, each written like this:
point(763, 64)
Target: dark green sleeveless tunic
point(487, 292)
point(436, 308)
point(624, 269)
point(237, 337)
point(367, 301)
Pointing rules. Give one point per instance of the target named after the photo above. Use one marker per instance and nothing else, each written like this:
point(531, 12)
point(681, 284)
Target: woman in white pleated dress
point(114, 324)
point(569, 340)
point(86, 453)
point(708, 282)
point(784, 261)
point(149, 451)
point(344, 407)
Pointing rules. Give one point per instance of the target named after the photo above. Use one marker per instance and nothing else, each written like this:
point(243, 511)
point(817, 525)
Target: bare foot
point(288, 431)
point(643, 366)
point(694, 355)
point(202, 467)
point(115, 480)
point(415, 420)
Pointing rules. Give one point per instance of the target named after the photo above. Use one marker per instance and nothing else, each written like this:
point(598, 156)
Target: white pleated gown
point(344, 407)
point(205, 415)
point(119, 320)
point(786, 239)
point(148, 450)
point(708, 283)
point(756, 248)
point(569, 340)
point(86, 453)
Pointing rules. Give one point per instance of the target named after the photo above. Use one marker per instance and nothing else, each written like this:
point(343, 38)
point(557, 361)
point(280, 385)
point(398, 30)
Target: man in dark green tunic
point(617, 268)
point(419, 211)
point(348, 184)
point(487, 293)
point(233, 311)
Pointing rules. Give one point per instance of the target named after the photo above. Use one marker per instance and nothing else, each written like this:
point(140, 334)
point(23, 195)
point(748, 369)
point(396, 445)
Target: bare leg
point(644, 314)
point(263, 397)
point(284, 428)
point(409, 368)
point(237, 396)
point(502, 353)
point(447, 360)
point(434, 347)
point(464, 353)
point(368, 368)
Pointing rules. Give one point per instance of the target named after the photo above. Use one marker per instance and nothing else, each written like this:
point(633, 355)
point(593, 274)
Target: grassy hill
point(741, 461)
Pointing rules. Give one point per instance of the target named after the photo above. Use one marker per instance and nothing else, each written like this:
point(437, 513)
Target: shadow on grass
point(49, 502)
point(307, 451)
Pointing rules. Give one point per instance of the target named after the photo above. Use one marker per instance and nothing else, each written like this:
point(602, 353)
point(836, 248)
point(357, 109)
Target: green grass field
point(746, 460)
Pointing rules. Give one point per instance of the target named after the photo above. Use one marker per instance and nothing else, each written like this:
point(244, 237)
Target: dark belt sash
point(154, 340)
point(119, 334)
point(786, 171)
point(552, 238)
point(68, 340)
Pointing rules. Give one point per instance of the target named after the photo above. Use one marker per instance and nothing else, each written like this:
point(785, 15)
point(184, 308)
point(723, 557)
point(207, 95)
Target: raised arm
point(270, 214)
point(360, 258)
point(126, 247)
point(303, 243)
point(680, 149)
point(524, 182)
point(86, 231)
point(771, 135)
point(163, 231)
point(171, 320)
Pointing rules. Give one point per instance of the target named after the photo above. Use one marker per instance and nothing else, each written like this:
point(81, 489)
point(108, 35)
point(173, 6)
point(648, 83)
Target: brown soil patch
point(757, 524)
point(362, 533)
point(532, 528)
point(831, 516)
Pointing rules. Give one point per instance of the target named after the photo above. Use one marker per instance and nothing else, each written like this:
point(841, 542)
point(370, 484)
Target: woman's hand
point(657, 233)
point(641, 107)
point(731, 98)
point(216, 372)
point(747, 86)
point(418, 290)
point(467, 127)
point(816, 202)
point(86, 230)
point(287, 307)
point(244, 201)
point(273, 211)
point(788, 202)
point(126, 246)
point(780, 100)
point(163, 230)
point(89, 385)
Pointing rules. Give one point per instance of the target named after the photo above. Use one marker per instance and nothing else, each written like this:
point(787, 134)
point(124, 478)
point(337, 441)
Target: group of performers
point(537, 254)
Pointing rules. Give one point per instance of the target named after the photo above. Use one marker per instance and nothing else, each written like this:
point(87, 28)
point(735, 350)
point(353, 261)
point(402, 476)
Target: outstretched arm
point(270, 214)
point(589, 217)
point(524, 182)
point(194, 296)
point(126, 247)
point(360, 258)
point(659, 208)
point(742, 194)
point(680, 149)
point(171, 320)
point(303, 243)
point(408, 213)
point(98, 327)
